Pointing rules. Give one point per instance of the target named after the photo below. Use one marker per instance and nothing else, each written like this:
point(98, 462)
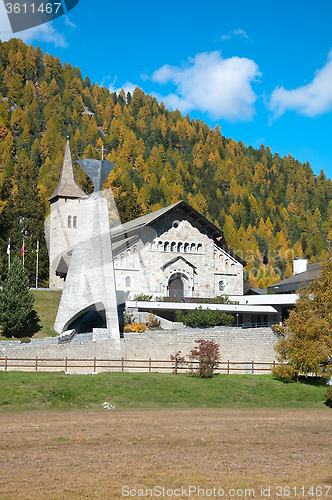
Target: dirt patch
point(94, 454)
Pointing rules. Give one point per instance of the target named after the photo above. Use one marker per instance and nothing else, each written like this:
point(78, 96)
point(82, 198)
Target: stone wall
point(236, 345)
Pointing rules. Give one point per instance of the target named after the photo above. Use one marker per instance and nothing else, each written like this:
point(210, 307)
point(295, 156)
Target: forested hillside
point(270, 208)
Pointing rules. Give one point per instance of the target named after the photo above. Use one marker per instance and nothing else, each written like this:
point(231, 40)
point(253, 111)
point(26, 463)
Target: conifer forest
point(270, 208)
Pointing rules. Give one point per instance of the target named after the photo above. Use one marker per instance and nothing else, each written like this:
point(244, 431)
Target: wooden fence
point(95, 365)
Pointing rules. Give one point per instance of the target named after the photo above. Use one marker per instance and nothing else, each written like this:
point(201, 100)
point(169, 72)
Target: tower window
point(75, 221)
point(69, 220)
point(127, 282)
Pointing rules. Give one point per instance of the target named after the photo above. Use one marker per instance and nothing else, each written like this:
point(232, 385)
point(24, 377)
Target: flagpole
point(37, 254)
point(8, 252)
point(23, 252)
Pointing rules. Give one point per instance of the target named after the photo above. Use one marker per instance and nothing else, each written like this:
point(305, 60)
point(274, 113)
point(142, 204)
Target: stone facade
point(177, 248)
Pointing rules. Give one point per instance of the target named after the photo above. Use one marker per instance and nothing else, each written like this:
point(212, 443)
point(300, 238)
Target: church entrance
point(176, 286)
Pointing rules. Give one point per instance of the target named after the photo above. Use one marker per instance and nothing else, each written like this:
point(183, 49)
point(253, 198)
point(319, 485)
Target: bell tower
point(67, 201)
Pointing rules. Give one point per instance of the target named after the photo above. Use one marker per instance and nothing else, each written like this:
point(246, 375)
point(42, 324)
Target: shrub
point(142, 296)
point(177, 361)
point(204, 317)
point(328, 397)
point(285, 373)
point(207, 354)
point(135, 327)
point(278, 329)
point(128, 318)
point(153, 321)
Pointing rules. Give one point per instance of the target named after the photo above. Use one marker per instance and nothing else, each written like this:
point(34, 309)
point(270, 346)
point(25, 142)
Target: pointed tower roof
point(68, 186)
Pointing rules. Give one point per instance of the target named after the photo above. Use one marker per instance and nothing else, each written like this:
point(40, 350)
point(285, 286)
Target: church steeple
point(68, 186)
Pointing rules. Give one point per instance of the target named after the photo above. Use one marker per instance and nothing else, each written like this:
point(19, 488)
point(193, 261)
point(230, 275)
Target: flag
point(37, 249)
point(22, 249)
point(8, 248)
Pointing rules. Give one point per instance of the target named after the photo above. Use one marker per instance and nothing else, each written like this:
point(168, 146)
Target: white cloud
point(211, 84)
point(238, 32)
point(312, 99)
point(68, 22)
point(44, 32)
point(127, 87)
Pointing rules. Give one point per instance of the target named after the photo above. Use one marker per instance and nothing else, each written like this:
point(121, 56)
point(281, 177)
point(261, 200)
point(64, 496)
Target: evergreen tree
point(17, 315)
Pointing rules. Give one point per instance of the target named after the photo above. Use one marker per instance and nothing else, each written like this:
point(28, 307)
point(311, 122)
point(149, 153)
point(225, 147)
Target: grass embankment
point(46, 305)
point(21, 391)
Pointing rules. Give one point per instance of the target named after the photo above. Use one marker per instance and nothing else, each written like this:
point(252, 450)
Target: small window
point(128, 282)
point(193, 248)
point(173, 245)
point(186, 248)
point(75, 221)
point(199, 247)
point(69, 220)
point(180, 247)
point(221, 286)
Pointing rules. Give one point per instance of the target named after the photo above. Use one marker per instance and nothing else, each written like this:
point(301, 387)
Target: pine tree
point(17, 315)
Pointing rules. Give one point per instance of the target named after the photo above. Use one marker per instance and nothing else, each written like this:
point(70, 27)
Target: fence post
point(5, 363)
point(252, 368)
point(122, 364)
point(66, 364)
point(228, 367)
point(94, 364)
point(274, 364)
point(36, 363)
point(149, 365)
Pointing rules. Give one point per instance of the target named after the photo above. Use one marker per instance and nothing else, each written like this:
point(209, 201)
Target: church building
point(172, 252)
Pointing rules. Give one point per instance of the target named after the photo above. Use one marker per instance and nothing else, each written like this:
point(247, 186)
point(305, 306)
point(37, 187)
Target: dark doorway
point(176, 288)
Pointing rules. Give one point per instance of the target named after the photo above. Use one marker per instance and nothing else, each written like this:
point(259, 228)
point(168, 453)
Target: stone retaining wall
point(236, 345)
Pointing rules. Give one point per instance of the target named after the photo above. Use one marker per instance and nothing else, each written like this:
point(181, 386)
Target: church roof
point(68, 186)
point(127, 230)
point(148, 219)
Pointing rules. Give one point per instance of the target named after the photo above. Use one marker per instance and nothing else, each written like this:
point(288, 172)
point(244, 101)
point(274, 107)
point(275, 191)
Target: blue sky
point(261, 70)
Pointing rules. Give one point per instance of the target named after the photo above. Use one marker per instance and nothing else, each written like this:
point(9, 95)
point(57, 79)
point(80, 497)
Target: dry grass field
point(91, 454)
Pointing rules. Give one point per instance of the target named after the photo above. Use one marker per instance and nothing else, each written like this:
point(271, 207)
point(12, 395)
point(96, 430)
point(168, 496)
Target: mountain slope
point(271, 209)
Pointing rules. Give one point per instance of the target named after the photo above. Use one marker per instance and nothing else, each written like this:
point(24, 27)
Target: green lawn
point(46, 306)
point(20, 391)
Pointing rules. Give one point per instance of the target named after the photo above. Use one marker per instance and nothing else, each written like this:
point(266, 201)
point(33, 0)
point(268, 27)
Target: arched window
point(227, 263)
point(180, 247)
point(192, 247)
point(128, 282)
point(221, 286)
point(69, 220)
point(186, 248)
point(128, 259)
point(160, 245)
point(199, 247)
point(173, 245)
point(75, 221)
point(122, 259)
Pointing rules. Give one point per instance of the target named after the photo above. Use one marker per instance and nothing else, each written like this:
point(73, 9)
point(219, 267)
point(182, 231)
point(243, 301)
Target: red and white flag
point(22, 249)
